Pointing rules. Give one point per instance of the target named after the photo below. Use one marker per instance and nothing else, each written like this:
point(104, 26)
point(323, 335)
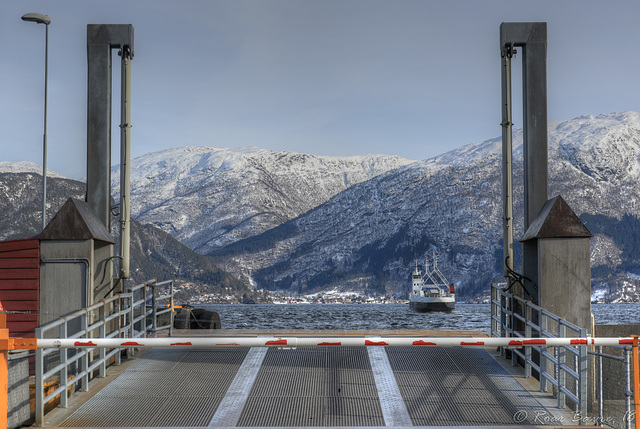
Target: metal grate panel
point(163, 388)
point(157, 361)
point(282, 412)
point(199, 360)
point(204, 384)
point(103, 411)
point(327, 411)
point(311, 387)
point(351, 383)
point(470, 389)
point(428, 359)
point(309, 383)
point(194, 411)
point(348, 358)
point(230, 408)
point(133, 384)
point(284, 360)
point(443, 413)
point(474, 361)
point(353, 412)
point(314, 387)
point(426, 385)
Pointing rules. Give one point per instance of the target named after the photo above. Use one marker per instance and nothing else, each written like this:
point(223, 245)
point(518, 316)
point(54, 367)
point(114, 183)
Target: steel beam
point(125, 161)
point(532, 38)
point(99, 131)
point(101, 38)
point(507, 167)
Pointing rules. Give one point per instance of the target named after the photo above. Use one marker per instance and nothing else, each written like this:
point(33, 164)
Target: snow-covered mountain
point(26, 167)
point(376, 230)
point(292, 221)
point(21, 198)
point(154, 253)
point(451, 204)
point(208, 198)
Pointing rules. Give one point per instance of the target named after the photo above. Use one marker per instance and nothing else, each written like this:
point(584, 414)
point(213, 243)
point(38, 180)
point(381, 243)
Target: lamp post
point(43, 19)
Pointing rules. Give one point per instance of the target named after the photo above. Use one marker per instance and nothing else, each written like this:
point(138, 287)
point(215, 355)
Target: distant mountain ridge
point(21, 199)
point(289, 221)
point(154, 253)
point(26, 167)
point(452, 203)
point(211, 197)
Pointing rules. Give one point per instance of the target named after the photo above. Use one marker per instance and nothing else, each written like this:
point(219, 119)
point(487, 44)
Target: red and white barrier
point(346, 341)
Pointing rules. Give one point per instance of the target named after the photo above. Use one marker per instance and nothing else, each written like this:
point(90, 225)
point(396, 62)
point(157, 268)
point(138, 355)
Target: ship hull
point(424, 306)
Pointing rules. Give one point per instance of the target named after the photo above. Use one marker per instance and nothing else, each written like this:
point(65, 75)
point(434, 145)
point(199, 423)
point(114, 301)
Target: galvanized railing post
point(39, 382)
point(84, 361)
point(576, 381)
point(511, 322)
point(143, 309)
point(515, 307)
point(172, 309)
point(599, 389)
point(64, 372)
point(527, 333)
point(494, 328)
point(503, 320)
point(561, 359)
point(494, 313)
point(543, 351)
point(118, 323)
point(636, 383)
point(154, 322)
point(131, 324)
point(627, 386)
point(103, 333)
point(583, 373)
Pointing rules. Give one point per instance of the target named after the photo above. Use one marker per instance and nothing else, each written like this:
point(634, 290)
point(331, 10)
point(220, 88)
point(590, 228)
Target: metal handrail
point(576, 376)
point(569, 380)
point(113, 317)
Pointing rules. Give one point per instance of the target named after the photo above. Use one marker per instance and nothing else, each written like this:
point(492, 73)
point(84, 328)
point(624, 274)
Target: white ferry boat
point(431, 292)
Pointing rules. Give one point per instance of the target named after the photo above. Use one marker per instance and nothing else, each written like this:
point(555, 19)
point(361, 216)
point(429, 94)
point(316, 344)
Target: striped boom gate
point(302, 341)
point(337, 341)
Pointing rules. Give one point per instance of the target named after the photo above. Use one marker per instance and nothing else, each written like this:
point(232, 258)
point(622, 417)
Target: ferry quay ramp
point(312, 387)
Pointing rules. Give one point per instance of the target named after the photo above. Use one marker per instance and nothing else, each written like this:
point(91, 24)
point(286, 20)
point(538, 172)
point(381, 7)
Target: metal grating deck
point(314, 387)
point(307, 387)
point(456, 386)
point(163, 388)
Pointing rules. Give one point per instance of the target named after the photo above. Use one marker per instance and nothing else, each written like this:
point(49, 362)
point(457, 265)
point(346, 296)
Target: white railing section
point(626, 362)
point(563, 366)
point(118, 317)
point(157, 300)
point(145, 299)
point(81, 344)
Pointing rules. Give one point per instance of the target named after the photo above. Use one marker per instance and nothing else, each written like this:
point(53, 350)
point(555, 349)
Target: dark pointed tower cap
point(556, 220)
point(76, 221)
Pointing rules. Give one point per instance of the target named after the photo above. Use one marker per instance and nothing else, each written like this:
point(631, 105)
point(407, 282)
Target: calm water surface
point(382, 316)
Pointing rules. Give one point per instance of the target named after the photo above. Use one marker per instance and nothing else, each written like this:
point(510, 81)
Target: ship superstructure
point(431, 291)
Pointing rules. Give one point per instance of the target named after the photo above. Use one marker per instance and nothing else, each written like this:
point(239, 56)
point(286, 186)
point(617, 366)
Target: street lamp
point(43, 19)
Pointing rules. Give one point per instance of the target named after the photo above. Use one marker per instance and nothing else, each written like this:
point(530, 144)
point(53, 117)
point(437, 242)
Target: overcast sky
point(328, 77)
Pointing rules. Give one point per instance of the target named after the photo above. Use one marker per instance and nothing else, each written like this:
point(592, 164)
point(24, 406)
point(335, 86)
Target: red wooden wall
point(19, 281)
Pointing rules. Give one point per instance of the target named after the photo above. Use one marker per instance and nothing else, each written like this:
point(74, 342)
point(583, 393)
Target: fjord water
point(382, 316)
